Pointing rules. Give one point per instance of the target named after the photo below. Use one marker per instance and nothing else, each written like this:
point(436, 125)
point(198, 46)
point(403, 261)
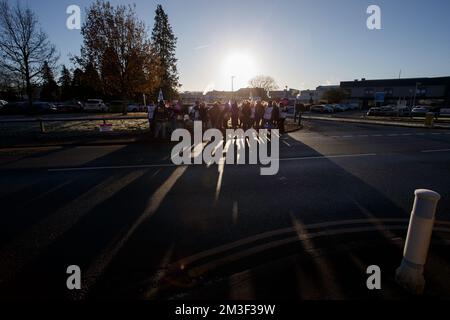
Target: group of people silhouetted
point(167, 117)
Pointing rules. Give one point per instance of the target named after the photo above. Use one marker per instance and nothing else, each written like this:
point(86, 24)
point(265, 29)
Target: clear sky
point(301, 43)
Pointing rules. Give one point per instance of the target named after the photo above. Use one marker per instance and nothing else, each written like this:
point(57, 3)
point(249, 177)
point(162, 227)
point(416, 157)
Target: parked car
point(388, 111)
point(136, 108)
point(352, 106)
point(70, 106)
point(340, 107)
point(419, 111)
point(374, 112)
point(22, 108)
point(43, 107)
point(402, 111)
point(321, 109)
point(444, 112)
point(14, 108)
point(334, 107)
point(95, 105)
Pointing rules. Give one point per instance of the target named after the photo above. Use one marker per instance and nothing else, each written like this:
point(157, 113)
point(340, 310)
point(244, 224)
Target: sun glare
point(240, 65)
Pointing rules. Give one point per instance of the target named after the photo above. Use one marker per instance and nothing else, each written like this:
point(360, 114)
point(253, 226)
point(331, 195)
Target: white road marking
point(342, 227)
point(144, 166)
point(329, 157)
point(437, 150)
point(286, 143)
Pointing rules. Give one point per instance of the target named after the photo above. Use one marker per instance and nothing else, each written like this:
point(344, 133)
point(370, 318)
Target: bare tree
point(24, 47)
point(263, 82)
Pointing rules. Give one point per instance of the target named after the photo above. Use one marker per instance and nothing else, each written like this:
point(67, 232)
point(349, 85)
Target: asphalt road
point(123, 213)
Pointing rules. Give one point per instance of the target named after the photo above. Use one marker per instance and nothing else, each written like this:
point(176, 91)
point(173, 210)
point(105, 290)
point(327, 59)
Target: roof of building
point(396, 82)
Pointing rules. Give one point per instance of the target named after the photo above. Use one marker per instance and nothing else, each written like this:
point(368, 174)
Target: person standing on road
point(299, 114)
point(297, 111)
point(203, 113)
point(282, 118)
point(161, 119)
point(150, 115)
point(252, 115)
point(235, 115)
point(214, 115)
point(195, 112)
point(259, 114)
point(246, 114)
point(268, 116)
point(225, 115)
point(275, 115)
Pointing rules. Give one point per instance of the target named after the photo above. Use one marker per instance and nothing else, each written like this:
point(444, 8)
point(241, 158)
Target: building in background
point(410, 92)
point(315, 96)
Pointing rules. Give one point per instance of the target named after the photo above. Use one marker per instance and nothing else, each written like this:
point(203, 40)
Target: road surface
point(124, 214)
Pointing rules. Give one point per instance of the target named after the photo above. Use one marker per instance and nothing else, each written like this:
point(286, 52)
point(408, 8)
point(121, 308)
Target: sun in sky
point(241, 65)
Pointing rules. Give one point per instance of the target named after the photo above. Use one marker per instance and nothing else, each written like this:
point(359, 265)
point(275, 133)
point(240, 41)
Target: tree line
point(118, 58)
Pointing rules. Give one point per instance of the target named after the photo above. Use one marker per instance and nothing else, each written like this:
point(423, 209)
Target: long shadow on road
point(125, 227)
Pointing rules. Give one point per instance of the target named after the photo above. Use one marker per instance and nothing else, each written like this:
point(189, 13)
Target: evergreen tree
point(49, 90)
point(164, 45)
point(77, 84)
point(65, 82)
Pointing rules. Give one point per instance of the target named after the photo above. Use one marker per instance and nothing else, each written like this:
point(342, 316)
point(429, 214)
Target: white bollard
point(410, 273)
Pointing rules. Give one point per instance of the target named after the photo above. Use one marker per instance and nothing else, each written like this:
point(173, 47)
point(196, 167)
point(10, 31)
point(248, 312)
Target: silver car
point(95, 105)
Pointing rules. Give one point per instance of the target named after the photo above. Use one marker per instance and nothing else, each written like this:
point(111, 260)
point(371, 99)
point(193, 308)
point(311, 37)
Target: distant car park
point(21, 107)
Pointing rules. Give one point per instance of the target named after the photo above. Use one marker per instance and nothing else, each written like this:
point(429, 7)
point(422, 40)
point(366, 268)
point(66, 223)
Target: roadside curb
point(383, 123)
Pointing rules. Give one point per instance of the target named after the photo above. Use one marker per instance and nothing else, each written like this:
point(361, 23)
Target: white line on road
point(221, 163)
point(144, 166)
point(286, 143)
point(330, 157)
point(437, 150)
